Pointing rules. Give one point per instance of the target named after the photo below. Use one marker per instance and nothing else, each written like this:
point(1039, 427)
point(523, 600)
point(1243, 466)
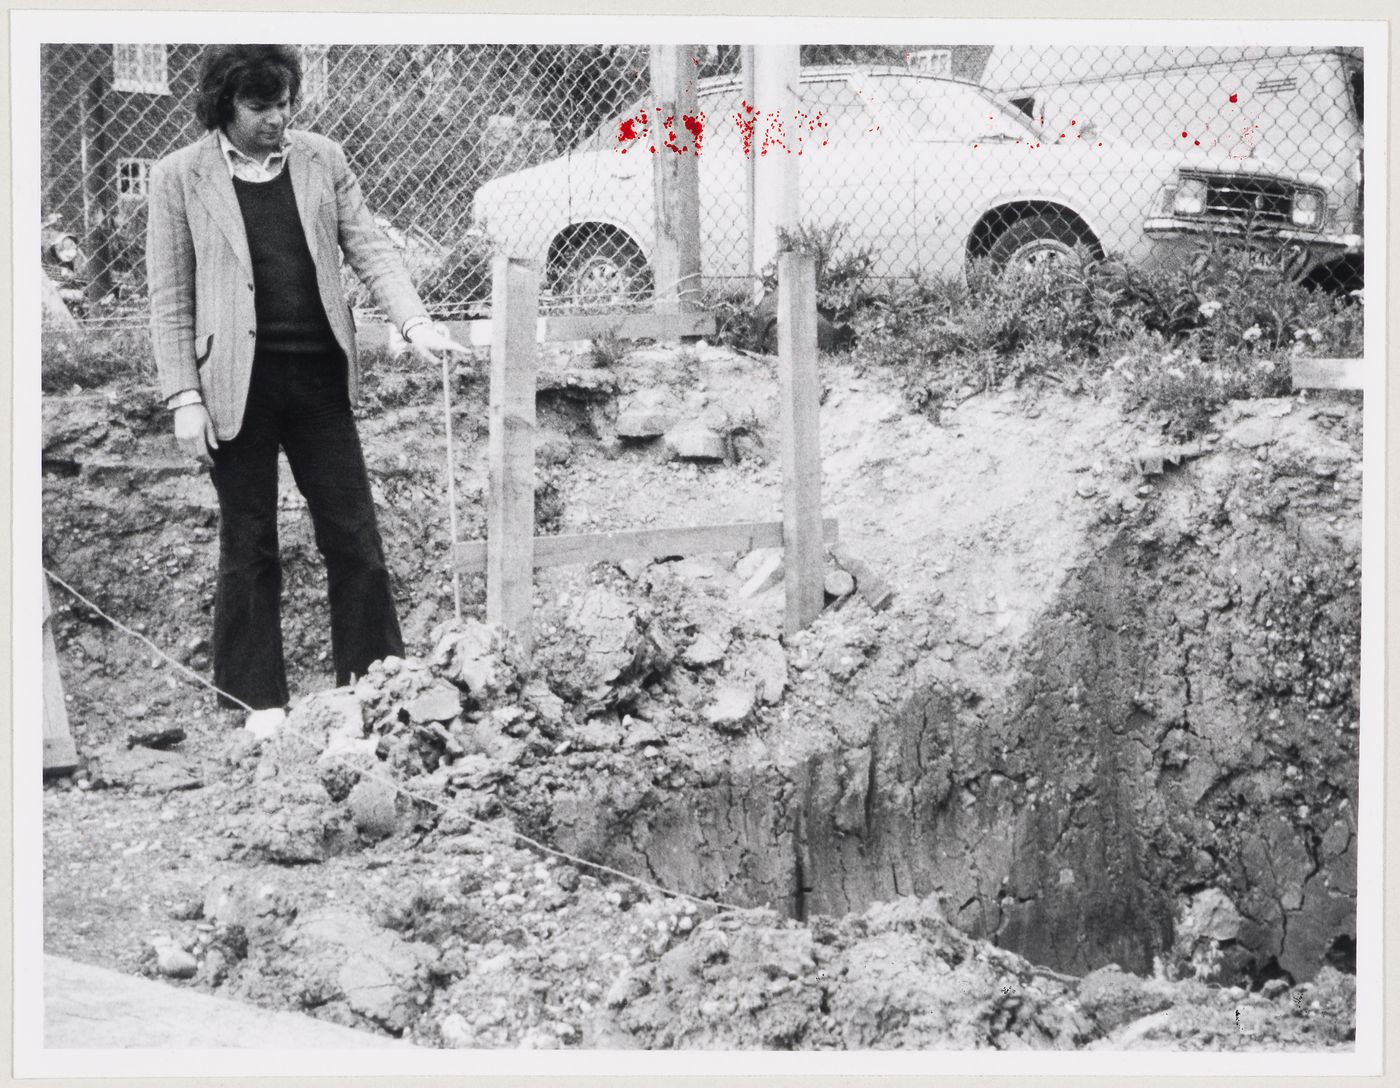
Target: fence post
point(675, 180)
point(799, 398)
point(510, 516)
point(775, 189)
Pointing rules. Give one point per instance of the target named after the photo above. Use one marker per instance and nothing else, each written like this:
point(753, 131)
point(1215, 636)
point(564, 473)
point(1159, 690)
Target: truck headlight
point(1190, 197)
point(1307, 208)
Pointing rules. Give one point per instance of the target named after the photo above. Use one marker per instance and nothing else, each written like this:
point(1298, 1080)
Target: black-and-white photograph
point(702, 547)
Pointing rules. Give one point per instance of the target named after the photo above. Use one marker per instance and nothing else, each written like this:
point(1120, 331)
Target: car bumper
point(1172, 240)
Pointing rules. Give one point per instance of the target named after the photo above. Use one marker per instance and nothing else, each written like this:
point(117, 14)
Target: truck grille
point(1243, 196)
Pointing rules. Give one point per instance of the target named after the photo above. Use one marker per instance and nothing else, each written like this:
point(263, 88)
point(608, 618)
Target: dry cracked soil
point(1083, 774)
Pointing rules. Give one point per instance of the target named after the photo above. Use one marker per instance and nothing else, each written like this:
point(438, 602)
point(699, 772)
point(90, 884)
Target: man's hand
point(426, 338)
point(194, 431)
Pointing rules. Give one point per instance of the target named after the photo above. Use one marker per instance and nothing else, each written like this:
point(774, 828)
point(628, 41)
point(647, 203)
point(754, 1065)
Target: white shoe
point(264, 723)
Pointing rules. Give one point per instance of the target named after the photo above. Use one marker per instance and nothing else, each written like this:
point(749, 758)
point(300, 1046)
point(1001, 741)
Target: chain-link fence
point(927, 157)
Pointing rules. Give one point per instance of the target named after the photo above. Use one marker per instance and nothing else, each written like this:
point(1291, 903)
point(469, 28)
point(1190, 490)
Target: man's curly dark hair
point(259, 72)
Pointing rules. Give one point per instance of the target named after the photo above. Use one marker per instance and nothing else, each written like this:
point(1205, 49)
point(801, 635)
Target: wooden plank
point(60, 754)
point(643, 544)
point(510, 515)
point(558, 327)
point(675, 256)
point(1329, 373)
point(799, 393)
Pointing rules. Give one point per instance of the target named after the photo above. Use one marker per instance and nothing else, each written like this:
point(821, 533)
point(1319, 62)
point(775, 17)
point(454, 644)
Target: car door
point(856, 169)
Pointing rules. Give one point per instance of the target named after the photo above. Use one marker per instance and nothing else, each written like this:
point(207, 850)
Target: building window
point(139, 68)
point(937, 62)
point(315, 73)
point(132, 176)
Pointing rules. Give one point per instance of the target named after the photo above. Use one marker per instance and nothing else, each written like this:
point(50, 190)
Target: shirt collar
point(233, 156)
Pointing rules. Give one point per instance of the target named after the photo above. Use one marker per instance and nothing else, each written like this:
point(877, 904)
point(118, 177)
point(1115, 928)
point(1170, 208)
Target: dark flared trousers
point(299, 404)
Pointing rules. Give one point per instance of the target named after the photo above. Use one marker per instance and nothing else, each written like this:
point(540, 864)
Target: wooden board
point(643, 544)
point(1329, 373)
point(60, 754)
point(799, 395)
point(510, 511)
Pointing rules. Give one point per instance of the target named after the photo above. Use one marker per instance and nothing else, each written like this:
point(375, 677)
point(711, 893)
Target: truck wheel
point(1038, 240)
point(603, 270)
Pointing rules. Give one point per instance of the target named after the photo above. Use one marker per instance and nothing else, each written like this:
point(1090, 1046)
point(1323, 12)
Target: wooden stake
point(675, 258)
point(60, 754)
point(799, 401)
point(510, 518)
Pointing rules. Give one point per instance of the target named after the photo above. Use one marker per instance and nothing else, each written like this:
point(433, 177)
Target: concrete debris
point(705, 649)
point(731, 707)
point(440, 703)
point(693, 441)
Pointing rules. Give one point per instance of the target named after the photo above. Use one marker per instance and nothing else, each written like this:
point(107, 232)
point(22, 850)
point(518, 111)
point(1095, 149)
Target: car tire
point(1036, 239)
point(603, 270)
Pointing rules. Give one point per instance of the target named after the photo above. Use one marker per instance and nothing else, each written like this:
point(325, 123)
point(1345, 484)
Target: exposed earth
point(1085, 777)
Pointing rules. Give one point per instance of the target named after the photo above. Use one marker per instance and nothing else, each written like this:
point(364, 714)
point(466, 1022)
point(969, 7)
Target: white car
point(930, 172)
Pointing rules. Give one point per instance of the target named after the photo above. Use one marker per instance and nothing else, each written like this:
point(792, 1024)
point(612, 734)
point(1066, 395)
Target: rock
point(456, 1032)
point(732, 705)
point(838, 584)
point(607, 626)
point(374, 808)
point(546, 704)
point(1210, 915)
point(344, 957)
point(172, 961)
point(158, 738)
point(248, 905)
point(642, 733)
point(483, 659)
point(146, 769)
point(703, 650)
point(440, 703)
point(1114, 998)
point(642, 422)
point(764, 663)
point(693, 441)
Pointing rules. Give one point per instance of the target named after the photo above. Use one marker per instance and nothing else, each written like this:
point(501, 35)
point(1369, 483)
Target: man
point(255, 349)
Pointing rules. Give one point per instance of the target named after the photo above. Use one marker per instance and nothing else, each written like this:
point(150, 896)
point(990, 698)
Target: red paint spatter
point(1184, 135)
point(747, 121)
point(1234, 98)
point(695, 125)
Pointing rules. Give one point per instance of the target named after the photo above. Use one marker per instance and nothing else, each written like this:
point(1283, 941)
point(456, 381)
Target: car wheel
point(1036, 241)
point(603, 270)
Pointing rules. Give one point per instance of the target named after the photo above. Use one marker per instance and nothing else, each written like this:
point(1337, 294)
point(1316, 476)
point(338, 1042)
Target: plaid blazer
point(200, 275)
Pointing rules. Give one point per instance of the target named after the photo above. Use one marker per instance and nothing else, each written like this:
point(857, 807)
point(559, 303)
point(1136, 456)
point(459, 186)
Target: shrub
point(1181, 340)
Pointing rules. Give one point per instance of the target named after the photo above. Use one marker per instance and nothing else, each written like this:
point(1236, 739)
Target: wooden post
point(60, 755)
point(510, 518)
point(676, 180)
point(799, 392)
point(776, 205)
